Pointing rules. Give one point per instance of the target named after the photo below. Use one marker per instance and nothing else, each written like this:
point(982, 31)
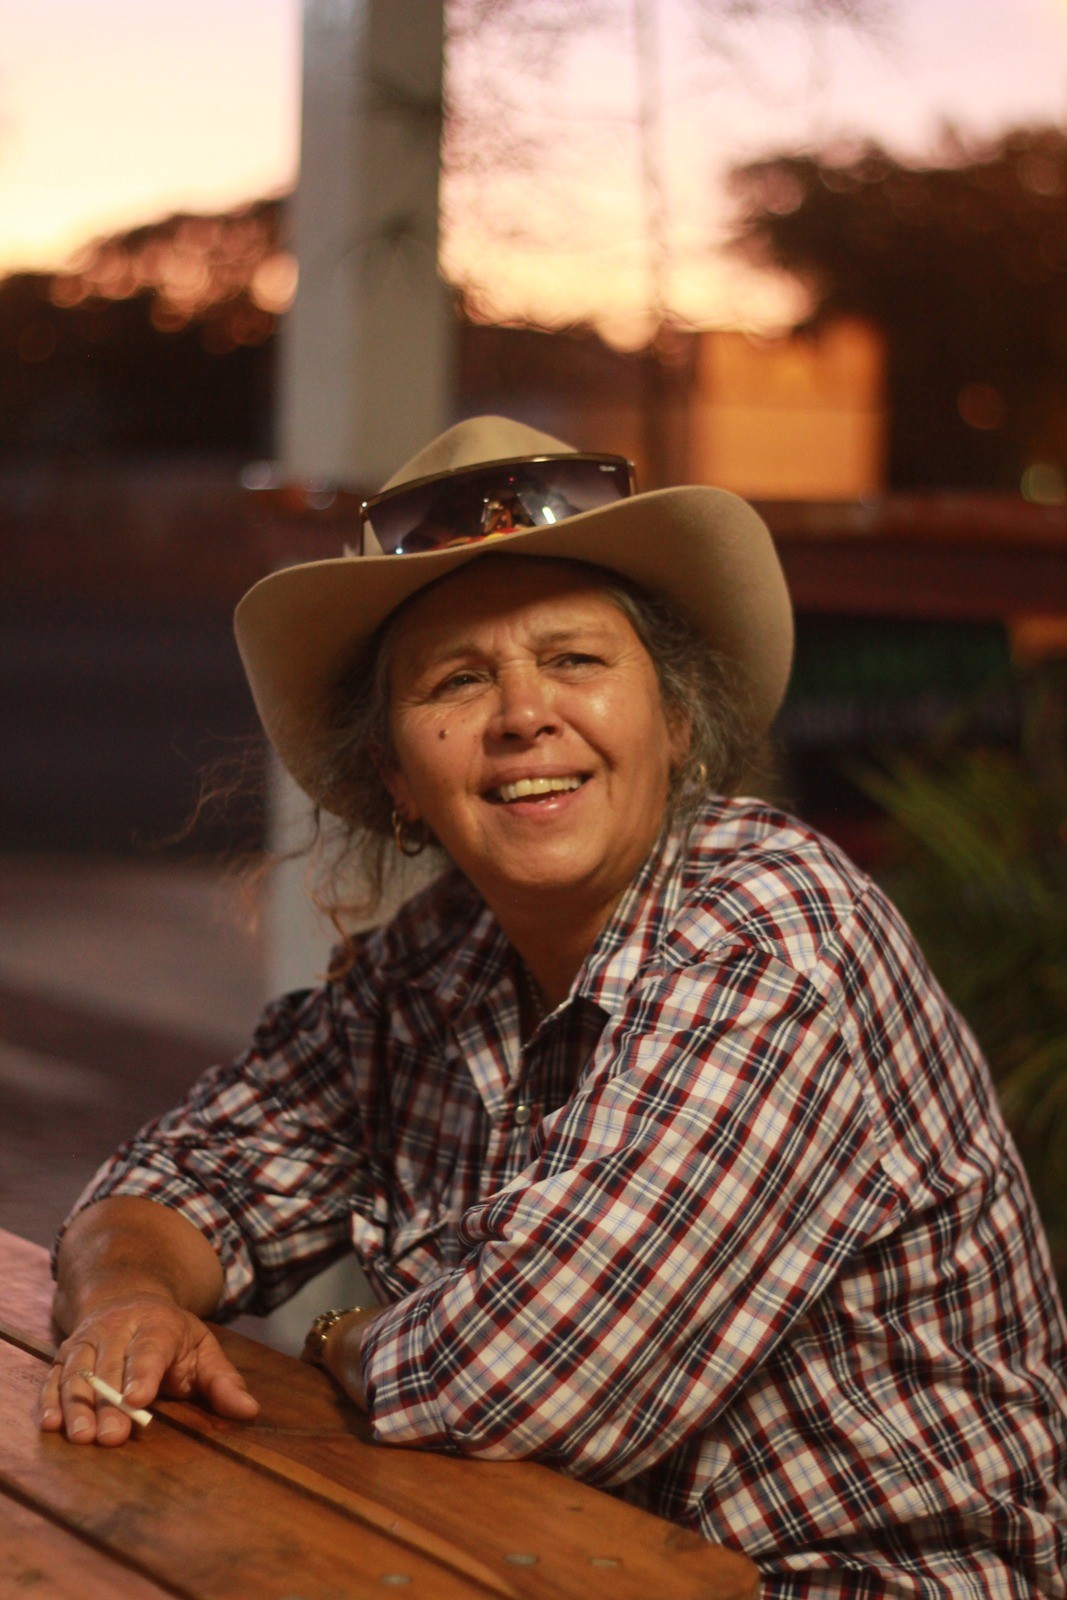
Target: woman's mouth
point(534, 789)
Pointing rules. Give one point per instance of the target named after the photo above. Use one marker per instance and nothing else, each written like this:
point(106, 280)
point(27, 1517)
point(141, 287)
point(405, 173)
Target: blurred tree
point(977, 861)
point(963, 266)
point(162, 336)
point(507, 53)
point(528, 161)
point(155, 338)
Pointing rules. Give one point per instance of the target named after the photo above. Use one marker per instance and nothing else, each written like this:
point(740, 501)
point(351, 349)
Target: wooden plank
point(198, 1519)
point(26, 1292)
point(569, 1544)
point(42, 1560)
point(476, 1516)
point(337, 1416)
point(496, 1510)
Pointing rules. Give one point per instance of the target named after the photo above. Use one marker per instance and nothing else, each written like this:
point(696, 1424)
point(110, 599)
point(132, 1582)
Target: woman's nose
point(524, 708)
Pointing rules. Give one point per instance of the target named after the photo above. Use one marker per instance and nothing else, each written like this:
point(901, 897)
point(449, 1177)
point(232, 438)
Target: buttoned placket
point(485, 1022)
point(486, 1037)
point(525, 1115)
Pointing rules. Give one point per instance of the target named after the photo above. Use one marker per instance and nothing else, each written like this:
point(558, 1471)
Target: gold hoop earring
point(700, 775)
point(412, 843)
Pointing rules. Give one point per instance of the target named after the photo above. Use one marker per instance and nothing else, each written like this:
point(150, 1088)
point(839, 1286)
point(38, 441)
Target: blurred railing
point(118, 674)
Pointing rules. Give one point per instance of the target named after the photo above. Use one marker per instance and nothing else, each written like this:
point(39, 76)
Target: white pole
point(365, 369)
point(366, 349)
point(365, 360)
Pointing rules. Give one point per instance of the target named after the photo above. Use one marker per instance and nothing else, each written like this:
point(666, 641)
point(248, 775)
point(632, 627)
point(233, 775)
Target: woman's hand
point(142, 1345)
point(133, 1281)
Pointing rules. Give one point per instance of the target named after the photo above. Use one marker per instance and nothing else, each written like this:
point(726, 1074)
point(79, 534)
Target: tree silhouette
point(536, 164)
point(160, 337)
point(963, 266)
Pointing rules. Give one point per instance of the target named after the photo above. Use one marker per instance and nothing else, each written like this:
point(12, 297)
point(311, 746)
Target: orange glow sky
point(113, 112)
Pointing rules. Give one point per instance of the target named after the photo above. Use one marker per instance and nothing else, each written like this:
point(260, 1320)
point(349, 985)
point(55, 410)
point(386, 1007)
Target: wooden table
point(300, 1504)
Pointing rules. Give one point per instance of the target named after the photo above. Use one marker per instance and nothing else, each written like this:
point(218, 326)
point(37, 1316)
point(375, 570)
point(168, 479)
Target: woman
point(670, 1161)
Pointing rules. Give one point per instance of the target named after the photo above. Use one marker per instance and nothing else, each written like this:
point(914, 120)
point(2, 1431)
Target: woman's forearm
point(124, 1245)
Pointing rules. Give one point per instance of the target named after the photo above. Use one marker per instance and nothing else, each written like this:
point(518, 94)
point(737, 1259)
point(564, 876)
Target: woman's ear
point(397, 785)
point(680, 729)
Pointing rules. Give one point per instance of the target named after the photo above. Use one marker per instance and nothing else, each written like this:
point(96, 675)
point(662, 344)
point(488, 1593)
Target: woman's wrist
point(335, 1342)
point(105, 1291)
point(124, 1247)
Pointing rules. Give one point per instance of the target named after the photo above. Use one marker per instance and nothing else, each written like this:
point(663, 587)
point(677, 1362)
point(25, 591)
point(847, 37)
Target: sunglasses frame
point(480, 469)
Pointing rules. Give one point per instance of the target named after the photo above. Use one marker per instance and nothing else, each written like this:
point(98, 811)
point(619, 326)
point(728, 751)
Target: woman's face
point(529, 734)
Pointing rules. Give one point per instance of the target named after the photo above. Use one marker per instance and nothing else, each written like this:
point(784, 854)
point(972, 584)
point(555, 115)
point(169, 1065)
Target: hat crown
point(474, 441)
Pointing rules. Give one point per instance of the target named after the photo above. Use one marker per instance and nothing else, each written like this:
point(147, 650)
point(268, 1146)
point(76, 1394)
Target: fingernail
point(78, 1430)
point(108, 1429)
point(49, 1415)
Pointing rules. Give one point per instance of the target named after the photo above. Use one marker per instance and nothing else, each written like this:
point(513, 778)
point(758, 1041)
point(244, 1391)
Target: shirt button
point(522, 1115)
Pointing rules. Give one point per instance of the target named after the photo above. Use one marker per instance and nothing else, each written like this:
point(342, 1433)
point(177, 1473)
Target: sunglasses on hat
point(489, 500)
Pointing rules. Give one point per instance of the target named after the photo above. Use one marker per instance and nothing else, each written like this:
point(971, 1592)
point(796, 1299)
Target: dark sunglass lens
point(566, 488)
point(471, 505)
point(399, 522)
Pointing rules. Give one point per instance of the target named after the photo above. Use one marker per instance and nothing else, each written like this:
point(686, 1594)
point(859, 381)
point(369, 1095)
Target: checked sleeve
point(264, 1158)
point(694, 1196)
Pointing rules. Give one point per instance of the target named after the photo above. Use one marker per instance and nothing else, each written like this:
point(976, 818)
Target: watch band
point(315, 1338)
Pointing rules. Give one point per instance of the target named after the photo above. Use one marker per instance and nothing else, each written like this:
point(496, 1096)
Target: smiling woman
point(528, 734)
point(670, 1162)
point(699, 707)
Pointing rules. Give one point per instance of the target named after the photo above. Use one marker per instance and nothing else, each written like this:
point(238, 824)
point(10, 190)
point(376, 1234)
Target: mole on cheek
point(442, 733)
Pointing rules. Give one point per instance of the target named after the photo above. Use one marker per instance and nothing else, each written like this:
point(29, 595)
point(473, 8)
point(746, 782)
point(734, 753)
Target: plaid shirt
point(737, 1233)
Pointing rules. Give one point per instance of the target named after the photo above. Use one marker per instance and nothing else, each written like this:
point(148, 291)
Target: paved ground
point(119, 983)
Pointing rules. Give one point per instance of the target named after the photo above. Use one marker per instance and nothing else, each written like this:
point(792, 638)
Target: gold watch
point(315, 1339)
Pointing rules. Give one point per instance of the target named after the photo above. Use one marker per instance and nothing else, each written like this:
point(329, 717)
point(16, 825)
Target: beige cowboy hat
point(703, 549)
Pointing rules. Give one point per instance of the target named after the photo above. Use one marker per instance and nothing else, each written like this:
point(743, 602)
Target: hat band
point(491, 499)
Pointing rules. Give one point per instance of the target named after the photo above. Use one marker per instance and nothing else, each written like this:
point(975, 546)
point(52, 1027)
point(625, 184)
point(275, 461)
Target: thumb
point(221, 1384)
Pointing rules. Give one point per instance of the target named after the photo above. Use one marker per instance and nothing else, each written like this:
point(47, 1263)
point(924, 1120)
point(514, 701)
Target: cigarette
point(108, 1393)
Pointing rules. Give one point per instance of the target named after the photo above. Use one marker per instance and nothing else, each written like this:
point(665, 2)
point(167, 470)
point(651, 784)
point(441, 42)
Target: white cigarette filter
point(106, 1392)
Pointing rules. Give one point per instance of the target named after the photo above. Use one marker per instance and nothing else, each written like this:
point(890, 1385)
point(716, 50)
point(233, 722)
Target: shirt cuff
point(401, 1396)
point(206, 1216)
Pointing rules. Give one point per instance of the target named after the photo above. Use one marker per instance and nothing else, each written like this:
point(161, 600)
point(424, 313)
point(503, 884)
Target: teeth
point(527, 786)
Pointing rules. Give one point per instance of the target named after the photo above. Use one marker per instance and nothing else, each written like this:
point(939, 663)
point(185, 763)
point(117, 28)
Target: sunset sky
point(113, 112)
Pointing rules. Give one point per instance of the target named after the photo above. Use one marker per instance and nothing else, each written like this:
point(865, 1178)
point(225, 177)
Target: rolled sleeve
point(696, 1194)
point(264, 1158)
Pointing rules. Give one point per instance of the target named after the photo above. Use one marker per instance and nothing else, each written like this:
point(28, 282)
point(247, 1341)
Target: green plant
point(976, 860)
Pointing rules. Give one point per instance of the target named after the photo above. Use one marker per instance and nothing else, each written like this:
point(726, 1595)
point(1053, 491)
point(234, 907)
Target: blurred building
point(135, 388)
point(799, 418)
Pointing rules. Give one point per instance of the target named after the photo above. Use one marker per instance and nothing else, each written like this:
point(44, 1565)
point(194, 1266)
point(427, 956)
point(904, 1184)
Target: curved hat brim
point(703, 549)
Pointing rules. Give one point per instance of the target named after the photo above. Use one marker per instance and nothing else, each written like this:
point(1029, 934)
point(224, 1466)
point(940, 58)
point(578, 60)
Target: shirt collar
point(478, 954)
point(475, 954)
point(632, 932)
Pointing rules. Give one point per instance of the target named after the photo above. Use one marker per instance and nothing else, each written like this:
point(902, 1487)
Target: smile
point(535, 788)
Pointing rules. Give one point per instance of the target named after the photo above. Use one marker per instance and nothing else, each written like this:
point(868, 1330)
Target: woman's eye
point(577, 658)
point(457, 681)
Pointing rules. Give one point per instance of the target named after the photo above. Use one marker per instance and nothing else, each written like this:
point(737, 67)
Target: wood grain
point(25, 1287)
point(515, 1530)
point(42, 1560)
point(201, 1520)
